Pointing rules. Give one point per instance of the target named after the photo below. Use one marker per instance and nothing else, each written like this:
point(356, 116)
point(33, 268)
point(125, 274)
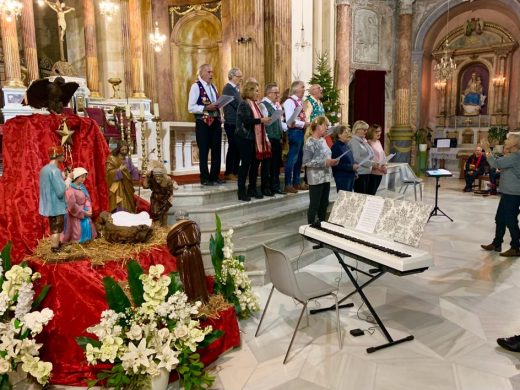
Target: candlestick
point(129, 136)
point(158, 125)
point(144, 165)
point(121, 125)
point(127, 111)
point(141, 110)
point(156, 110)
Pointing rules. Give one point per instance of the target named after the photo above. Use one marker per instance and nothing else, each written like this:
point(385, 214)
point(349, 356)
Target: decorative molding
point(178, 11)
point(405, 7)
point(366, 36)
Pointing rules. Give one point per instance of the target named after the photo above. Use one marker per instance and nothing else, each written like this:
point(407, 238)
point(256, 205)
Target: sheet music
point(342, 154)
point(224, 100)
point(295, 114)
point(388, 158)
point(370, 214)
point(438, 172)
point(276, 115)
point(364, 161)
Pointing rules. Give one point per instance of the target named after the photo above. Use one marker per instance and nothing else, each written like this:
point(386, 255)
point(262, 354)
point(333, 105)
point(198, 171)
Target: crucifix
point(61, 9)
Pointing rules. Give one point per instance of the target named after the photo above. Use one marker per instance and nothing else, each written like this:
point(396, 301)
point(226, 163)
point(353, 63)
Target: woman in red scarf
point(475, 166)
point(252, 141)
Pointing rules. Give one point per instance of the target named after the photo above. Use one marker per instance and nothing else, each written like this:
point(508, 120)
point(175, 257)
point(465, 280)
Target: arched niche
point(196, 39)
point(464, 80)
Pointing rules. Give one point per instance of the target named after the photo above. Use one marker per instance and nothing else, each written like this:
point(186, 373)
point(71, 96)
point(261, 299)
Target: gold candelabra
point(158, 125)
point(144, 165)
point(128, 133)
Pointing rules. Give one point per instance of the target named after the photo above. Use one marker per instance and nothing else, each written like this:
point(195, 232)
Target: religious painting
point(47, 39)
point(473, 90)
point(366, 32)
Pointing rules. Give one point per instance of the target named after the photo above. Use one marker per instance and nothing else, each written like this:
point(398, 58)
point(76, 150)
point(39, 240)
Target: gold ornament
point(65, 133)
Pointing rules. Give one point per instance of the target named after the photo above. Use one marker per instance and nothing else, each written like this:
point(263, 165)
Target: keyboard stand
point(359, 290)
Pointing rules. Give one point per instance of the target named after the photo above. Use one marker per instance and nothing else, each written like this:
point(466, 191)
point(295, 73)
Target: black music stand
point(437, 174)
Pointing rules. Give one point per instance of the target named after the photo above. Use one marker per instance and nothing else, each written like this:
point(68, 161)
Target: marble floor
point(455, 310)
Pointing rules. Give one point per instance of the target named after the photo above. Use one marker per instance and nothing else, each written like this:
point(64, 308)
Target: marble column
point(277, 37)
point(29, 40)
point(150, 87)
point(13, 73)
point(401, 132)
point(89, 25)
point(136, 48)
point(343, 27)
point(126, 47)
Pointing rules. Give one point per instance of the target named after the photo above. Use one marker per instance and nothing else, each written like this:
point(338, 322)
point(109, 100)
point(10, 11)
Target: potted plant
point(496, 137)
point(423, 138)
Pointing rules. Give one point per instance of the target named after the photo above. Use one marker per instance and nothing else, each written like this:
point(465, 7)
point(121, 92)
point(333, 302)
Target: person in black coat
point(345, 172)
point(247, 121)
point(475, 166)
point(232, 88)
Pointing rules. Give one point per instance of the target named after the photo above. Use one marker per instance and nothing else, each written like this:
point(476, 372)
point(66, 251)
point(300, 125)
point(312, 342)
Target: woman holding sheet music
point(316, 157)
point(373, 136)
point(363, 155)
point(345, 172)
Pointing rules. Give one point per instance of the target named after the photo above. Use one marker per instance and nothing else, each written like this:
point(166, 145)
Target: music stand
point(437, 174)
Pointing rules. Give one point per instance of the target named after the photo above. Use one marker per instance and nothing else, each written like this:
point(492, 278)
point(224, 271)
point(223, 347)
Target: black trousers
point(373, 183)
point(265, 169)
point(248, 163)
point(318, 202)
point(209, 138)
point(470, 178)
point(361, 184)
point(276, 163)
point(507, 216)
point(232, 155)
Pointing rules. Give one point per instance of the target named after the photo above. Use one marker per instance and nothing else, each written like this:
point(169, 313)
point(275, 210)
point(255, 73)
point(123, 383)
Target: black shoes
point(256, 193)
point(218, 181)
point(511, 252)
point(492, 247)
point(468, 189)
point(510, 343)
point(278, 192)
point(267, 192)
point(207, 183)
point(242, 195)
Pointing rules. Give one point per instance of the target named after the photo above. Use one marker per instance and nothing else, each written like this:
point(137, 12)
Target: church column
point(136, 48)
point(343, 27)
point(401, 132)
point(126, 47)
point(149, 53)
point(29, 40)
point(89, 25)
point(13, 73)
point(277, 38)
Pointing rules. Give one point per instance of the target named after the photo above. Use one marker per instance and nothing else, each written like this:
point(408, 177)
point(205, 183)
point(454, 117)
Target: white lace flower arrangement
point(231, 279)
point(150, 335)
point(20, 323)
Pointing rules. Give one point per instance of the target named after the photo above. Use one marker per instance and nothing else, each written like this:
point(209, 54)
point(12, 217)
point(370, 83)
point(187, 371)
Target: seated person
point(474, 168)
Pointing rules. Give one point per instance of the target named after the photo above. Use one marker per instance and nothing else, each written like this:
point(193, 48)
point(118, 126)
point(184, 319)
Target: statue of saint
point(473, 97)
point(61, 9)
point(120, 177)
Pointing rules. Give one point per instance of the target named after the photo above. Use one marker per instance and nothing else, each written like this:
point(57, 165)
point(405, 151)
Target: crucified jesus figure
point(61, 9)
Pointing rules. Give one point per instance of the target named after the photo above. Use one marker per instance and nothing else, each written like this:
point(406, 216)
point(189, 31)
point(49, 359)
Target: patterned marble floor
point(455, 310)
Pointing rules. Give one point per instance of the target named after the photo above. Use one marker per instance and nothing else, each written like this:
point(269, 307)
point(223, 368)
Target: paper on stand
point(370, 215)
point(296, 112)
point(224, 100)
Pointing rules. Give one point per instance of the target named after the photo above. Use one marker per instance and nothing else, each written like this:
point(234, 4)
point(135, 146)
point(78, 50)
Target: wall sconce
point(499, 81)
point(244, 40)
point(440, 85)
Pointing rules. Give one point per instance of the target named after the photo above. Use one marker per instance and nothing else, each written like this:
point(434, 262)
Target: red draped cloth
point(77, 298)
point(25, 143)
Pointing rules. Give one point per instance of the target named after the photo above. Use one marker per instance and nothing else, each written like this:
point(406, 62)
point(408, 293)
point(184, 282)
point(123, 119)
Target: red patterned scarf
point(263, 148)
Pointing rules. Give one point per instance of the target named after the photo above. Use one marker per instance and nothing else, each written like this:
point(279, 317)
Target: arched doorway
point(196, 39)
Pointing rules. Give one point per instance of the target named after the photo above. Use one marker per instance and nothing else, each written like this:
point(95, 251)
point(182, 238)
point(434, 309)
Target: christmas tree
point(323, 76)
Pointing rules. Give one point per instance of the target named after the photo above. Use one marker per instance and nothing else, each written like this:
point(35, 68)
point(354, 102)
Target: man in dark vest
point(274, 131)
point(232, 88)
point(208, 129)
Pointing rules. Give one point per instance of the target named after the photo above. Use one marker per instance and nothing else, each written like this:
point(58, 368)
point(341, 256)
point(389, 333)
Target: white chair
point(300, 286)
point(408, 178)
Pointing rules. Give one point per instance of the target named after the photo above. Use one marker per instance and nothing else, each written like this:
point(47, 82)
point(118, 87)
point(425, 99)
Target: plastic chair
point(408, 178)
point(300, 286)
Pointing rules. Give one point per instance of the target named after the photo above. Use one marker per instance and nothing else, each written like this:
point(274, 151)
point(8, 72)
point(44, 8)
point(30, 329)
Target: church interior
point(153, 275)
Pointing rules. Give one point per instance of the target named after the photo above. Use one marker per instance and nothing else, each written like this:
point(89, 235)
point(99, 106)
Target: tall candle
point(141, 110)
point(127, 111)
point(156, 110)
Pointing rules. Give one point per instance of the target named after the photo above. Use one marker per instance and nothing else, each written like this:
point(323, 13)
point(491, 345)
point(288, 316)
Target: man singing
point(208, 129)
point(232, 88)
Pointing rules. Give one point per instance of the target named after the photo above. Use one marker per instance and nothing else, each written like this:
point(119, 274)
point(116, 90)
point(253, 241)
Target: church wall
point(373, 22)
point(75, 38)
point(302, 59)
point(110, 53)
